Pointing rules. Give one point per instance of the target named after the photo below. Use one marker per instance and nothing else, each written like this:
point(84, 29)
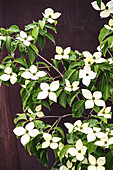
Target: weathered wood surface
point(78, 27)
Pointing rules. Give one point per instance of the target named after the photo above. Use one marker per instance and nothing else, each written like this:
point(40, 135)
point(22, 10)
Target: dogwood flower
point(106, 10)
point(26, 132)
point(88, 58)
point(96, 164)
point(50, 141)
point(9, 75)
point(87, 75)
point(78, 151)
point(48, 90)
point(110, 25)
point(24, 38)
point(78, 125)
point(68, 167)
point(105, 142)
point(62, 54)
point(38, 111)
point(72, 87)
point(92, 99)
point(105, 112)
point(32, 73)
point(50, 15)
point(69, 126)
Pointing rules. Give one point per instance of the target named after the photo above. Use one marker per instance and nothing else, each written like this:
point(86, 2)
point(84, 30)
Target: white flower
point(96, 164)
point(24, 38)
point(106, 10)
point(94, 132)
point(26, 132)
point(72, 87)
point(92, 99)
point(9, 75)
point(50, 15)
point(87, 75)
point(88, 58)
point(78, 125)
point(110, 25)
point(105, 142)
point(69, 126)
point(79, 150)
point(62, 54)
point(50, 141)
point(32, 73)
point(48, 90)
point(26, 82)
point(105, 112)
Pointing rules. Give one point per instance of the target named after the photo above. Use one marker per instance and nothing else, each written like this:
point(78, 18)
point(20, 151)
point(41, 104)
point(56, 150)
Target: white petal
point(33, 69)
point(25, 139)
point(8, 70)
point(78, 123)
point(34, 132)
point(92, 167)
point(67, 83)
point(99, 143)
point(23, 34)
point(42, 95)
point(96, 129)
point(91, 137)
point(47, 136)
point(111, 22)
point(44, 86)
point(107, 109)
point(97, 55)
point(59, 50)
point(50, 20)
point(53, 96)
point(87, 94)
point(19, 131)
point(96, 7)
point(45, 144)
point(56, 15)
point(80, 157)
point(34, 78)
point(110, 4)
point(49, 11)
point(63, 167)
point(105, 14)
point(100, 60)
point(13, 79)
point(72, 151)
point(40, 114)
point(68, 89)
point(19, 38)
point(56, 139)
point(54, 85)
point(2, 38)
point(110, 141)
point(58, 57)
point(65, 56)
point(101, 161)
point(107, 116)
point(100, 134)
point(5, 77)
point(38, 108)
point(29, 38)
point(86, 81)
point(79, 144)
point(69, 126)
point(67, 50)
point(108, 27)
point(100, 168)
point(61, 145)
point(92, 159)
point(89, 104)
point(87, 53)
point(69, 164)
point(41, 74)
point(26, 43)
point(26, 75)
point(29, 126)
point(92, 75)
point(97, 94)
point(100, 103)
point(82, 73)
point(53, 145)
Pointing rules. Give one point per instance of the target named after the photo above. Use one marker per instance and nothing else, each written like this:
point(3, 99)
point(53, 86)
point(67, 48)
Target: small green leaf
point(62, 98)
point(50, 37)
point(63, 151)
point(42, 24)
point(41, 41)
point(34, 48)
point(106, 92)
point(99, 3)
point(14, 28)
point(51, 27)
point(91, 147)
point(35, 32)
point(8, 42)
point(68, 74)
point(31, 54)
point(78, 108)
point(72, 97)
point(60, 130)
point(103, 33)
point(21, 61)
point(74, 64)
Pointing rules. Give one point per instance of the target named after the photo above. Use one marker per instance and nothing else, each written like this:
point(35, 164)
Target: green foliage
point(78, 108)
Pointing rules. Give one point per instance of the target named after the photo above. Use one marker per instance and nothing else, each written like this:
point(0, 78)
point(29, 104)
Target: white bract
point(106, 10)
point(32, 73)
point(68, 167)
point(110, 25)
point(50, 141)
point(9, 75)
point(62, 53)
point(26, 132)
point(48, 90)
point(92, 99)
point(87, 75)
point(24, 38)
point(105, 142)
point(105, 112)
point(50, 15)
point(96, 164)
point(72, 87)
point(2, 38)
point(110, 60)
point(78, 151)
point(38, 111)
point(26, 82)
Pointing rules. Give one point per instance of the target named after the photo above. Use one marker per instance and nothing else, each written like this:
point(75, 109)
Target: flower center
point(79, 151)
point(62, 53)
point(105, 142)
point(103, 112)
point(87, 74)
point(49, 16)
point(94, 57)
point(81, 128)
point(107, 7)
point(27, 131)
point(89, 62)
point(34, 74)
point(49, 90)
point(96, 165)
point(93, 98)
point(94, 131)
point(11, 74)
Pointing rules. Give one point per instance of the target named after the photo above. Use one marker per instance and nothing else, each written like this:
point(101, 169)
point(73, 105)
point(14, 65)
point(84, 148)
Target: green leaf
point(50, 37)
point(60, 130)
point(63, 151)
point(51, 27)
point(62, 98)
point(43, 103)
point(91, 147)
point(35, 32)
point(106, 92)
point(55, 62)
point(41, 41)
point(42, 63)
point(72, 97)
point(42, 24)
point(31, 54)
point(78, 108)
point(74, 64)
point(14, 28)
point(6, 59)
point(21, 61)
point(30, 26)
point(8, 42)
point(71, 138)
point(68, 74)
point(34, 48)
point(39, 124)
point(103, 33)
point(99, 3)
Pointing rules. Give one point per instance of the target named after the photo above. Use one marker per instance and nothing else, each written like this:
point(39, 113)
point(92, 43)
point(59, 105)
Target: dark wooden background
point(78, 27)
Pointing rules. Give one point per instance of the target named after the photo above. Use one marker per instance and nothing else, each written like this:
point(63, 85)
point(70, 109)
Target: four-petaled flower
point(106, 10)
point(9, 75)
point(79, 150)
point(110, 25)
point(26, 132)
point(87, 75)
point(50, 141)
point(92, 99)
point(96, 164)
point(105, 112)
point(50, 15)
point(72, 87)
point(48, 90)
point(32, 73)
point(105, 141)
point(62, 54)
point(24, 38)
